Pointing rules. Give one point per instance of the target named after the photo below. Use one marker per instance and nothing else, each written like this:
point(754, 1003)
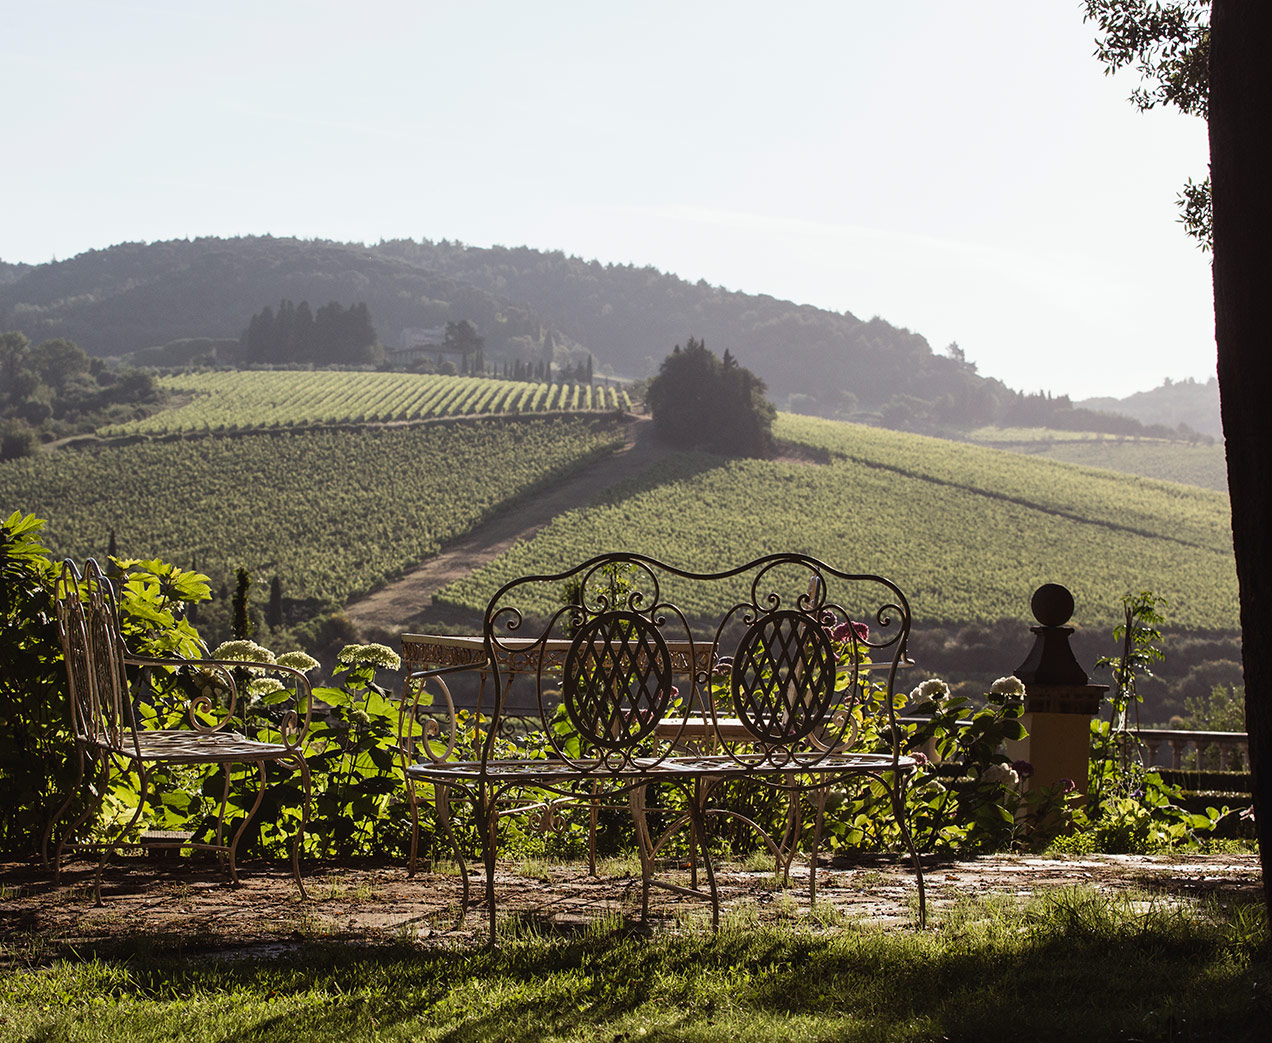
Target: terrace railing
point(1182, 750)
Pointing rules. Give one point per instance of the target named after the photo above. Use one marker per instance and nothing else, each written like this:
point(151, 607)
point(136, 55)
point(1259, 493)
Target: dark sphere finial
point(1052, 605)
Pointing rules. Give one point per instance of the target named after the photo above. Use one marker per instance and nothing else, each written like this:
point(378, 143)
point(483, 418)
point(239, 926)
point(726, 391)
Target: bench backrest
point(627, 654)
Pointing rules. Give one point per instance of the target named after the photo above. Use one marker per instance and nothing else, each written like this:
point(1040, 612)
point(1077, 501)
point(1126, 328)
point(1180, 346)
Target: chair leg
point(412, 801)
point(487, 828)
point(48, 829)
point(304, 821)
point(221, 853)
point(247, 818)
point(90, 806)
point(441, 798)
point(108, 848)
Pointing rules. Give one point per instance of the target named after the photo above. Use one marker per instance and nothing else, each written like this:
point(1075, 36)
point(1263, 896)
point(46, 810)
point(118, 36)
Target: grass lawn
point(1070, 964)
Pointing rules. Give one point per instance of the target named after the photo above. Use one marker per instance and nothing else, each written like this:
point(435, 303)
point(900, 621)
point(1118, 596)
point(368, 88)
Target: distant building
point(417, 343)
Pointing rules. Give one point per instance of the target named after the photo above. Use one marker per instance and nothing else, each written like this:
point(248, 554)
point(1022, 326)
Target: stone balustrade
point(1181, 750)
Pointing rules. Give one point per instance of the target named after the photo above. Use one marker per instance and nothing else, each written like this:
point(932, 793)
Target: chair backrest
point(614, 637)
point(87, 615)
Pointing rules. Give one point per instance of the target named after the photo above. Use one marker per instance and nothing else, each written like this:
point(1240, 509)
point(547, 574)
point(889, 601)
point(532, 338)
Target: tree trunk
point(1240, 134)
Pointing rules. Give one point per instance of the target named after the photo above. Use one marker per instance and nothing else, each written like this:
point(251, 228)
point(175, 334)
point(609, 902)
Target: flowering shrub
point(966, 794)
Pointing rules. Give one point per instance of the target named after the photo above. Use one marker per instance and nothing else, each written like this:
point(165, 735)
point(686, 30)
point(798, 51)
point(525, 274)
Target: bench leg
point(487, 827)
point(697, 820)
point(898, 810)
point(644, 847)
point(819, 796)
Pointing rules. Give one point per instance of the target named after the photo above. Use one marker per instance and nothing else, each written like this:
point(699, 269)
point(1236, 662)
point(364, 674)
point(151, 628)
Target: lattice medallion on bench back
point(783, 679)
point(616, 684)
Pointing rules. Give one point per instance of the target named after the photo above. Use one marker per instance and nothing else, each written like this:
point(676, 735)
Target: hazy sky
point(958, 167)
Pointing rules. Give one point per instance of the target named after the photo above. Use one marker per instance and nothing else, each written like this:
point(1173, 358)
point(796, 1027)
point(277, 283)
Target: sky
point(961, 169)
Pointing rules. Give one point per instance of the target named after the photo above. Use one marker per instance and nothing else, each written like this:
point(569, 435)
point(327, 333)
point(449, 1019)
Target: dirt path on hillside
point(406, 604)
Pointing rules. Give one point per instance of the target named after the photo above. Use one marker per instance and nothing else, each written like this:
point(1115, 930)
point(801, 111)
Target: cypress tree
point(242, 624)
point(274, 614)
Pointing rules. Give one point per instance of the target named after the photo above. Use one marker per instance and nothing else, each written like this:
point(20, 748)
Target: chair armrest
point(203, 710)
point(409, 743)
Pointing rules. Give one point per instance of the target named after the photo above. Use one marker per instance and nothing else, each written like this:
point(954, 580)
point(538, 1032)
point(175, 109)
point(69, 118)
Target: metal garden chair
point(108, 689)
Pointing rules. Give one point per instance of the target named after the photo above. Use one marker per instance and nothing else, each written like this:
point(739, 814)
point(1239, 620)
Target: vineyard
point(1169, 460)
point(227, 401)
point(333, 511)
point(968, 533)
point(1140, 505)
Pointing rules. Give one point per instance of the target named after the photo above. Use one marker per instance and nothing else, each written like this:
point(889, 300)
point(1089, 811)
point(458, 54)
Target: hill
point(527, 305)
point(334, 512)
point(137, 296)
point(1187, 402)
point(171, 302)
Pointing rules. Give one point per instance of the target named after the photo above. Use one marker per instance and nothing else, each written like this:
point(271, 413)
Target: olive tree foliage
point(1168, 43)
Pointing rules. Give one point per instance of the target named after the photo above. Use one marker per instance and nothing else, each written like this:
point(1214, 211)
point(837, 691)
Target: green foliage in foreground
point(1065, 966)
point(333, 511)
point(968, 536)
point(247, 400)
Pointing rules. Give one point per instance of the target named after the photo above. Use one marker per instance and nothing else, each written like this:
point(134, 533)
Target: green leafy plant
point(359, 805)
point(35, 770)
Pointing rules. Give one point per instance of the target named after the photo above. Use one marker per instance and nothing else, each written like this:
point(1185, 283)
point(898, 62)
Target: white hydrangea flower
point(1007, 686)
point(375, 654)
point(932, 688)
point(1000, 774)
point(241, 651)
point(264, 686)
point(301, 661)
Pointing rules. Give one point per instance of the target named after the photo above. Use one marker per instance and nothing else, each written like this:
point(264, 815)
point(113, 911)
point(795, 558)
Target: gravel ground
point(189, 907)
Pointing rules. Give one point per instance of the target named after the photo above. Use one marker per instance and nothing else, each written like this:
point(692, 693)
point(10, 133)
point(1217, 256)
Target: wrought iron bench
point(630, 695)
point(109, 691)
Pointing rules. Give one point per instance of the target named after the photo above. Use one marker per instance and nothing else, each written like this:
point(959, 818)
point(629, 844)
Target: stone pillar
point(1059, 700)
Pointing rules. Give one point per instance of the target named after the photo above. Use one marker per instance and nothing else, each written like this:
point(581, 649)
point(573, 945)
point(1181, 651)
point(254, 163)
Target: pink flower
point(920, 758)
point(1023, 768)
point(1066, 785)
point(849, 629)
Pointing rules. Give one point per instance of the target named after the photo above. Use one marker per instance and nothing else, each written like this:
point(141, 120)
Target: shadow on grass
point(1073, 965)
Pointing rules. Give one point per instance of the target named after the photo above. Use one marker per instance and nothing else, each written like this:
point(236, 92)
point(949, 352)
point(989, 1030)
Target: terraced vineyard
point(333, 511)
point(237, 401)
point(967, 532)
